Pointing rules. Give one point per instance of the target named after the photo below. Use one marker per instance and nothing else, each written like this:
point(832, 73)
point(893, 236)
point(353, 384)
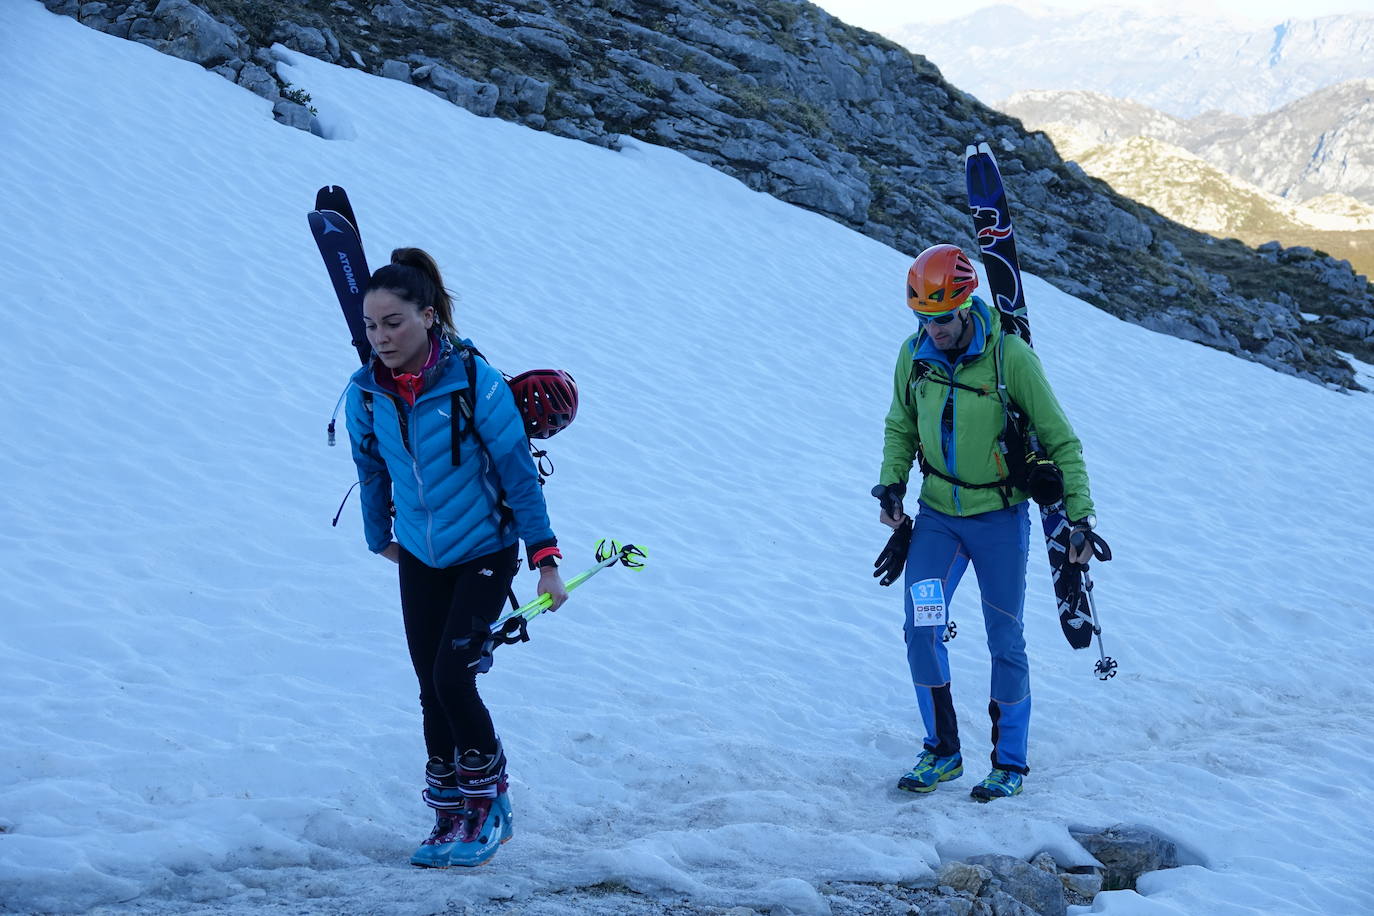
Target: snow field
point(205, 688)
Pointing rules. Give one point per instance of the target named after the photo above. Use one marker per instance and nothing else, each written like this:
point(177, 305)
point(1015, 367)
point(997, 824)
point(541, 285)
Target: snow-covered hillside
point(204, 689)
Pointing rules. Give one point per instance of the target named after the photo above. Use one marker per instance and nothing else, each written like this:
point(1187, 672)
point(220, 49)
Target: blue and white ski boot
point(443, 795)
point(485, 820)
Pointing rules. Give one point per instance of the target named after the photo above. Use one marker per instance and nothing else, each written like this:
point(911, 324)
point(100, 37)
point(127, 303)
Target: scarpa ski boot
point(443, 795)
point(998, 784)
point(485, 819)
point(930, 771)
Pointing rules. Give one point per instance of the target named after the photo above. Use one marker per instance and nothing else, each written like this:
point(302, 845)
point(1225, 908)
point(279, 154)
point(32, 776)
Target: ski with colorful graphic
point(987, 201)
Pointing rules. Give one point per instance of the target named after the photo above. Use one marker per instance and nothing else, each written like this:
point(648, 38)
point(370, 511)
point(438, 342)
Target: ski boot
point(998, 784)
point(930, 771)
point(443, 795)
point(485, 819)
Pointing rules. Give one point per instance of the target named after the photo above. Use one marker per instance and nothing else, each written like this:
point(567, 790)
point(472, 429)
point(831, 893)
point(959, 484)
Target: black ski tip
point(334, 198)
point(327, 195)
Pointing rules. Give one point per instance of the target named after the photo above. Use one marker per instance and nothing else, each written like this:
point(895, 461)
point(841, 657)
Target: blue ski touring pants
point(998, 544)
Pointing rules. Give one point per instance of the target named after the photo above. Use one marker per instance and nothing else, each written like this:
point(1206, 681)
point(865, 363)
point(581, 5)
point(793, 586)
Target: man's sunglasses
point(946, 318)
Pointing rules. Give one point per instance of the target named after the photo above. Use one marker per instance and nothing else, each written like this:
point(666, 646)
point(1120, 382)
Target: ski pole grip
point(889, 496)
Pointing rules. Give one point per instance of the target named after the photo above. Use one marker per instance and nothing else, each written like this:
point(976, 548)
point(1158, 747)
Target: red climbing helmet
point(547, 399)
point(940, 280)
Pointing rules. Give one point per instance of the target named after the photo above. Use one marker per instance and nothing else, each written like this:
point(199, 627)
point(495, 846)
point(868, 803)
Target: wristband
point(546, 553)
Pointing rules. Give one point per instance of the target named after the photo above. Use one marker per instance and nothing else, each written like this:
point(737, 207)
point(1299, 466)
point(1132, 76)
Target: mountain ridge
point(1315, 145)
point(1184, 65)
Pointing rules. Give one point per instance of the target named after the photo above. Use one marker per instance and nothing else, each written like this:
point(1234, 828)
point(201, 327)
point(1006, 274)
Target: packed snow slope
point(206, 698)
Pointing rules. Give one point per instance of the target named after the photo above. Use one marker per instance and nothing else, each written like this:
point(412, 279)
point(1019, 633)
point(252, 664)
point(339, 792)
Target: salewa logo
point(444, 415)
point(484, 572)
point(348, 273)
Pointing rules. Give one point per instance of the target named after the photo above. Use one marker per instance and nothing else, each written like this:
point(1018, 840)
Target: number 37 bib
point(928, 603)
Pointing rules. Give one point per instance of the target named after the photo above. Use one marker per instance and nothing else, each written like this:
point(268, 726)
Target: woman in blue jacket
point(447, 496)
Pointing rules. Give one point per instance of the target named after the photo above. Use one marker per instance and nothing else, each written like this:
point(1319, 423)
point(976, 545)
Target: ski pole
point(1105, 667)
point(511, 628)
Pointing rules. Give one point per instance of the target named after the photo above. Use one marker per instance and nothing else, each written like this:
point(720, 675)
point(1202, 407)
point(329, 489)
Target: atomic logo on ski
point(348, 271)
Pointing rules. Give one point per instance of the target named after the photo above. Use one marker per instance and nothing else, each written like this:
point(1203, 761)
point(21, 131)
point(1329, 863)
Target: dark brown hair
point(413, 276)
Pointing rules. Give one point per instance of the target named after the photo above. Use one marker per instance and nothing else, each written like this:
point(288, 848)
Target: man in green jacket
point(956, 380)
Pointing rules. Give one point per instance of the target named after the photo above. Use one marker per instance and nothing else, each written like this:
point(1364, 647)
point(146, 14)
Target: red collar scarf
point(409, 385)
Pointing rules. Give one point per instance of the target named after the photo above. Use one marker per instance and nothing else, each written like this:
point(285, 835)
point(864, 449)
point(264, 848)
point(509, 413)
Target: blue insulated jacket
point(446, 514)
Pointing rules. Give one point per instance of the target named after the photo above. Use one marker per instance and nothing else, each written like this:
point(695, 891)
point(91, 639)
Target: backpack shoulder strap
point(463, 403)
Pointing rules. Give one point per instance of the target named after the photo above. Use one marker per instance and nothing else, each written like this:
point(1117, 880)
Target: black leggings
point(443, 610)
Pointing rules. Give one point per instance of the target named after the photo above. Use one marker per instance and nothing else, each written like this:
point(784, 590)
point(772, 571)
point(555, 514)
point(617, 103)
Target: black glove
point(1082, 533)
point(892, 560)
point(1044, 480)
point(890, 498)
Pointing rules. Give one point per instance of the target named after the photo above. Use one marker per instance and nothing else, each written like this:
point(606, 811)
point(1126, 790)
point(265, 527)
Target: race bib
point(928, 603)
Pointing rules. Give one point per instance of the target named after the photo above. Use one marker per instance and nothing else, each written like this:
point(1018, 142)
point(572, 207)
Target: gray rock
point(258, 81)
point(814, 187)
point(300, 38)
point(948, 906)
point(477, 97)
point(544, 41)
point(1296, 254)
point(1084, 884)
point(482, 27)
point(193, 34)
point(961, 876)
point(1362, 328)
point(396, 70)
point(1042, 892)
point(1045, 862)
point(1284, 350)
point(397, 14)
point(1118, 227)
point(1127, 851)
point(650, 77)
point(1262, 330)
point(1003, 904)
point(1338, 276)
point(525, 94)
point(293, 115)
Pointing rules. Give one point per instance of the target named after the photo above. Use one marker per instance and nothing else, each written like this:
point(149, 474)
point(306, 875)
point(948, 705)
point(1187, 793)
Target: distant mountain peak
point(1183, 64)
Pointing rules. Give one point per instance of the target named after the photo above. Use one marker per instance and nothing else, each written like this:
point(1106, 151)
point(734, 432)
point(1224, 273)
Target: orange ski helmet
point(940, 280)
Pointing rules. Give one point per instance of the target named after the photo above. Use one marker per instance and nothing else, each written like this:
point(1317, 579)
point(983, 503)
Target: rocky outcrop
point(1002, 885)
point(1127, 852)
point(791, 102)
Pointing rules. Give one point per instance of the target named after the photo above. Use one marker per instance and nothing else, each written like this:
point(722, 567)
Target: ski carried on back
point(1073, 584)
point(335, 229)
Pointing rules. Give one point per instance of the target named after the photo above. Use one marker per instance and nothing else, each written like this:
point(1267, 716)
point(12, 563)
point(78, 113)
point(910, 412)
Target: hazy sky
point(878, 15)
